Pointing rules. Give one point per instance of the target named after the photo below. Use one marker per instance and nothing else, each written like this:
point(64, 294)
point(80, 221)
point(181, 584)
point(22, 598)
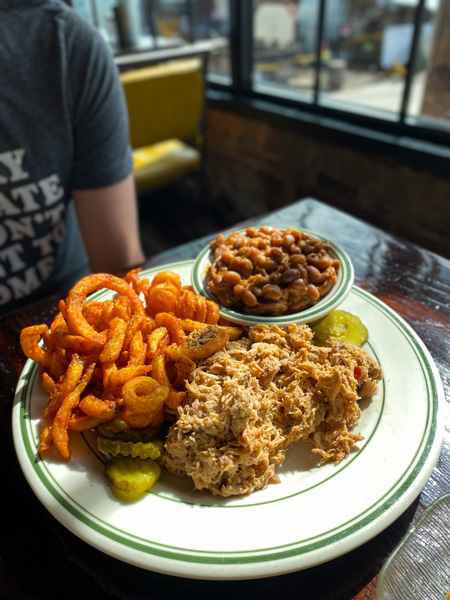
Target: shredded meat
point(250, 401)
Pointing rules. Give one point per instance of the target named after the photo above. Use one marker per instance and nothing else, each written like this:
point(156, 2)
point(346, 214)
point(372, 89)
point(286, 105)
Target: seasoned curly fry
point(159, 372)
point(201, 344)
point(103, 410)
point(114, 340)
point(184, 366)
point(61, 420)
point(138, 350)
point(157, 342)
point(77, 296)
point(144, 400)
point(62, 389)
point(173, 325)
point(128, 357)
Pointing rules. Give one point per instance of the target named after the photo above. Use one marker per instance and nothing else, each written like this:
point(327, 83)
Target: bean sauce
point(270, 272)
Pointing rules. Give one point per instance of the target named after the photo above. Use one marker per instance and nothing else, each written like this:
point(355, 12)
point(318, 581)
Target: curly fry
point(212, 312)
point(29, 340)
point(166, 277)
point(80, 422)
point(159, 372)
point(161, 298)
point(61, 420)
point(157, 341)
point(48, 383)
point(114, 340)
point(143, 400)
point(77, 296)
point(200, 344)
point(141, 323)
point(121, 376)
point(103, 410)
point(184, 366)
point(173, 326)
point(138, 350)
point(187, 305)
point(62, 388)
point(76, 343)
point(132, 277)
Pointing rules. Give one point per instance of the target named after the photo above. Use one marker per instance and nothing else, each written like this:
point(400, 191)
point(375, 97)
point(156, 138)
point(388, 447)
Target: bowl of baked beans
point(273, 275)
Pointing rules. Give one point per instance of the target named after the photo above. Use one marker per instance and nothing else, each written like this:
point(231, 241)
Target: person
point(67, 196)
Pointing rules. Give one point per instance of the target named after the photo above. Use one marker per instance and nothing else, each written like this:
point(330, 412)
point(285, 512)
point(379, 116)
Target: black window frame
point(420, 145)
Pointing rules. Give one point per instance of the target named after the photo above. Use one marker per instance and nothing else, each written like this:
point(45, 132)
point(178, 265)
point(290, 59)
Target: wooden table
point(39, 558)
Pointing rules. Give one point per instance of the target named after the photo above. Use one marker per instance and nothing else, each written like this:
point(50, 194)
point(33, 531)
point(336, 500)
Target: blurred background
point(347, 101)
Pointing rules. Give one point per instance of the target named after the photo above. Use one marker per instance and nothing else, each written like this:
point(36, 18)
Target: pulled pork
point(250, 401)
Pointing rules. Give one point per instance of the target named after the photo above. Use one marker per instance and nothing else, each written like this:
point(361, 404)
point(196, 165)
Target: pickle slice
point(134, 449)
point(340, 326)
point(134, 476)
point(119, 430)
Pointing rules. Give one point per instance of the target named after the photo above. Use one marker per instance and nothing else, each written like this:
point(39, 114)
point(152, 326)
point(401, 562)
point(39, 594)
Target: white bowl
point(325, 305)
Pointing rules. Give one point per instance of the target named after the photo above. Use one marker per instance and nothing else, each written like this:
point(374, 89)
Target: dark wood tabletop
point(40, 558)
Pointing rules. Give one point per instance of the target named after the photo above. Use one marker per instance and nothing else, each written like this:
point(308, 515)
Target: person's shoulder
point(77, 27)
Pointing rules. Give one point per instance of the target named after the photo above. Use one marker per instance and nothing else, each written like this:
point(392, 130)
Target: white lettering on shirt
point(11, 255)
point(7, 207)
point(13, 162)
point(51, 188)
point(26, 194)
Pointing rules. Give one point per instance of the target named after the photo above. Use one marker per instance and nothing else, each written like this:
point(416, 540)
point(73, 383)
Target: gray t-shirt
point(63, 126)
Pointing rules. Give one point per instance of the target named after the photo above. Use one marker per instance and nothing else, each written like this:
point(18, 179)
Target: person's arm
point(109, 223)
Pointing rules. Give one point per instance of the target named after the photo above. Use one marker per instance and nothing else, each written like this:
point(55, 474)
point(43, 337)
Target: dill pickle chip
point(111, 447)
point(132, 475)
point(340, 326)
point(119, 430)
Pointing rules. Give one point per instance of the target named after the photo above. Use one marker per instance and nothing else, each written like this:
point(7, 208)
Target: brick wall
point(253, 168)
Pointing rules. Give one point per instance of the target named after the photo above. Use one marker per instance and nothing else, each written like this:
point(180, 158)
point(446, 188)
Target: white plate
point(315, 514)
point(326, 304)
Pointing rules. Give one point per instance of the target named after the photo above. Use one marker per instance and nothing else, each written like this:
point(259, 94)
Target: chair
point(165, 107)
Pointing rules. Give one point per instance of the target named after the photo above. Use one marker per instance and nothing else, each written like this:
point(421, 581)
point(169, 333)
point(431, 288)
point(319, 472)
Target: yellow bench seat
point(163, 162)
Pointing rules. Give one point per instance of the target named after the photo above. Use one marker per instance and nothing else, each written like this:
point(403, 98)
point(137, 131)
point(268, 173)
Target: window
point(385, 60)
point(141, 25)
point(384, 64)
point(352, 55)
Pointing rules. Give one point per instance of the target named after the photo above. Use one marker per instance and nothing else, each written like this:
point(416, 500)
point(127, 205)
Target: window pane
point(430, 100)
point(370, 44)
point(195, 21)
point(284, 46)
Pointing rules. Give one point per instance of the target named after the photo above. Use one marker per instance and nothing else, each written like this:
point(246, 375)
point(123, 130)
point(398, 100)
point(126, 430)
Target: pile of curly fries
point(127, 357)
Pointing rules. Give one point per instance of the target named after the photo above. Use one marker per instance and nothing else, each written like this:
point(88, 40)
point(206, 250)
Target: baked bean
point(288, 240)
point(294, 249)
point(277, 254)
point(321, 261)
point(251, 232)
point(297, 259)
point(313, 273)
point(231, 277)
point(266, 262)
point(244, 266)
point(227, 256)
point(267, 229)
point(249, 299)
point(306, 247)
point(297, 289)
point(269, 272)
point(312, 292)
point(271, 292)
point(289, 276)
point(276, 239)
